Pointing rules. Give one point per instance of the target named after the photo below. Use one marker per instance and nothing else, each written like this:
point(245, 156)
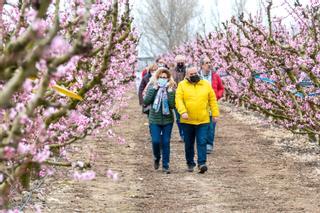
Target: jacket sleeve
point(171, 97)
point(220, 88)
point(213, 103)
point(143, 85)
point(179, 100)
point(150, 95)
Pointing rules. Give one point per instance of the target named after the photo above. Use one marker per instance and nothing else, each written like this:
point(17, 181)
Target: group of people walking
point(188, 93)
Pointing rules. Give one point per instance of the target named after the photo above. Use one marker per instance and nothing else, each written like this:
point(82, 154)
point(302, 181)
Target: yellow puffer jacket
point(196, 100)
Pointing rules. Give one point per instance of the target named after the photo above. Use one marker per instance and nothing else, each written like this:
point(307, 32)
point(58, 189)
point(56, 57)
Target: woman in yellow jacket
point(194, 98)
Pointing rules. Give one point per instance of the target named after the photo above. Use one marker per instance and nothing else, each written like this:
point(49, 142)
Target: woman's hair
point(159, 71)
point(152, 67)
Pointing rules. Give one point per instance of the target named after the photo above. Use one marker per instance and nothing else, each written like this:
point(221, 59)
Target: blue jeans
point(161, 134)
point(178, 123)
point(192, 133)
point(211, 132)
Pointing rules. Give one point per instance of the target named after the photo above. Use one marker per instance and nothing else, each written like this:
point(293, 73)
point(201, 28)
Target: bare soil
point(255, 167)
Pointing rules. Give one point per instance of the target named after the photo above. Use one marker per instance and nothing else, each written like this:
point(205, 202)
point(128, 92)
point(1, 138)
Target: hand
point(215, 119)
point(185, 116)
point(156, 86)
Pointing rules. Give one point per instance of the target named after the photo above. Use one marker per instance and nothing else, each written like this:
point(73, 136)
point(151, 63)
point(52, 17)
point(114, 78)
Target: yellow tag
point(66, 92)
point(33, 78)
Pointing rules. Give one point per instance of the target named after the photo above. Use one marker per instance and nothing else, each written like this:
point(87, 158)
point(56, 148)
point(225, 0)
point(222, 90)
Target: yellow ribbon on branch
point(66, 92)
point(32, 78)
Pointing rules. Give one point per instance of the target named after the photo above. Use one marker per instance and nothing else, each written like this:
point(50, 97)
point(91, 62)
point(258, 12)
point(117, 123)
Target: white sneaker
point(209, 149)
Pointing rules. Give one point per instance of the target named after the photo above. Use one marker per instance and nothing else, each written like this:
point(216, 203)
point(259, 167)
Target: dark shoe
point(190, 168)
point(166, 171)
point(156, 164)
point(203, 168)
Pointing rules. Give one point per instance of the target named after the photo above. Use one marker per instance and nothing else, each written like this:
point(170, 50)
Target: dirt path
point(251, 170)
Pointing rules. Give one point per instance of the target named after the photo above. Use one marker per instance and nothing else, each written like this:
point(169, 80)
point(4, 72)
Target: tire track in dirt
point(247, 173)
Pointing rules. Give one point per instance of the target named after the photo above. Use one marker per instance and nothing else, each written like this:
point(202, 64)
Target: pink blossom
point(49, 111)
point(1, 177)
point(9, 152)
point(89, 175)
point(42, 65)
point(42, 155)
point(13, 211)
point(59, 45)
point(23, 148)
point(46, 172)
point(113, 175)
point(121, 140)
point(42, 173)
point(37, 208)
point(40, 26)
point(31, 14)
point(27, 85)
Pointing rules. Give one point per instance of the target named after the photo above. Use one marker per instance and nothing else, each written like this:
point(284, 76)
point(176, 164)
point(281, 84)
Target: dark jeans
point(198, 133)
point(161, 134)
point(178, 123)
point(211, 132)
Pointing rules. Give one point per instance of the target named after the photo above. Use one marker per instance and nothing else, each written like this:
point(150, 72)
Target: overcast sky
point(225, 9)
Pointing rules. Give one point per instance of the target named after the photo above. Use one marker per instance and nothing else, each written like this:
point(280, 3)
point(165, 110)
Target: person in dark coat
point(144, 82)
point(178, 74)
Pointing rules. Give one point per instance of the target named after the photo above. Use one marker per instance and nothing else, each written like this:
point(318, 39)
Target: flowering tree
point(63, 67)
point(270, 69)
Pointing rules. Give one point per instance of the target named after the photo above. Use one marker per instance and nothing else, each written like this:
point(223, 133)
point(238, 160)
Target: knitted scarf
point(161, 100)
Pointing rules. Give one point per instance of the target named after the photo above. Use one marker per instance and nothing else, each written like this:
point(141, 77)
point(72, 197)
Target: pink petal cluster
point(89, 175)
point(113, 175)
point(42, 155)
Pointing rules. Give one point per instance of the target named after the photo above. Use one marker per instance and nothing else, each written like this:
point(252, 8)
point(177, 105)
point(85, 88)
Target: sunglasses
point(163, 77)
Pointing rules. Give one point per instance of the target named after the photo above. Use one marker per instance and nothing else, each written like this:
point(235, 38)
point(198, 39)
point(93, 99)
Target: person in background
point(144, 82)
point(193, 98)
point(160, 95)
point(161, 63)
point(178, 74)
point(215, 81)
point(144, 72)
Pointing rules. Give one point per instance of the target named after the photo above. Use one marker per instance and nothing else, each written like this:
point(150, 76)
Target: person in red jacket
point(216, 83)
point(144, 72)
